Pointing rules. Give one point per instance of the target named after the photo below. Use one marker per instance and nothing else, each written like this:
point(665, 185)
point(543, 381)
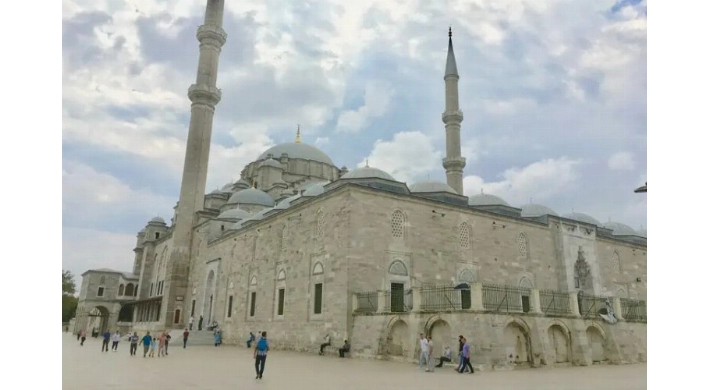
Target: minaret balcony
point(454, 163)
point(209, 33)
point(205, 94)
point(452, 116)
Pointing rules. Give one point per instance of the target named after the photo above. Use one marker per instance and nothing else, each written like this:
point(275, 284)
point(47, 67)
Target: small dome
point(251, 196)
point(619, 229)
point(286, 203)
point(216, 192)
point(367, 172)
point(431, 186)
point(142, 231)
point(486, 200)
point(315, 189)
point(535, 210)
point(241, 184)
point(297, 150)
point(227, 187)
point(271, 163)
point(234, 214)
point(157, 220)
point(583, 218)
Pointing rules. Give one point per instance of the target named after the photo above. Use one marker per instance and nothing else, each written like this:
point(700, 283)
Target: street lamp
point(641, 189)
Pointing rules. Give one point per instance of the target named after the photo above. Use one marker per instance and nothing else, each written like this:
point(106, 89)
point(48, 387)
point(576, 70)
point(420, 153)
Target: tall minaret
point(204, 96)
point(452, 117)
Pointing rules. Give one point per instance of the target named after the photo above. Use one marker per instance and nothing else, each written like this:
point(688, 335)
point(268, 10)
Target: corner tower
point(452, 118)
point(204, 96)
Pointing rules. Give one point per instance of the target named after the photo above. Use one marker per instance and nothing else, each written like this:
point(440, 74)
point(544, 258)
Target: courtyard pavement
point(230, 367)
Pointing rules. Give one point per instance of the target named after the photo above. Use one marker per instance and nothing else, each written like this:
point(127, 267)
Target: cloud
point(377, 100)
point(540, 180)
point(85, 249)
point(407, 157)
point(622, 161)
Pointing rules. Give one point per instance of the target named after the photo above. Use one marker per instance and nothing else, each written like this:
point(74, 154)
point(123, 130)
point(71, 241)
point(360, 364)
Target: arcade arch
point(516, 336)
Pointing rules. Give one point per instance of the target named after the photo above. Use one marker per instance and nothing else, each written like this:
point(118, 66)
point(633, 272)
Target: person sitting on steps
point(325, 344)
point(345, 349)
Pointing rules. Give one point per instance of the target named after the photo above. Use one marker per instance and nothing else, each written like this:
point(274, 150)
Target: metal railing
point(366, 302)
point(590, 305)
point(504, 298)
point(633, 309)
point(554, 302)
point(398, 301)
point(440, 298)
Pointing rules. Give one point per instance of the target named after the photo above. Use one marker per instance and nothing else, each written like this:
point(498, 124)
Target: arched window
point(318, 269)
point(252, 282)
point(467, 276)
point(523, 245)
point(176, 318)
point(525, 283)
point(281, 275)
point(465, 235)
point(397, 221)
point(398, 268)
point(129, 289)
point(120, 289)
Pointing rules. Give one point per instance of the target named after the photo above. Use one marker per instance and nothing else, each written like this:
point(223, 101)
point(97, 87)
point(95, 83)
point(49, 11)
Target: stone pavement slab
point(230, 367)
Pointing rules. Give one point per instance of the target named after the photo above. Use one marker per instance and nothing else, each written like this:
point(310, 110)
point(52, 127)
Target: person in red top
point(185, 334)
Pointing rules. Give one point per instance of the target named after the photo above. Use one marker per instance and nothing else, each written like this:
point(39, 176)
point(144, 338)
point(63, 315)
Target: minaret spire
point(298, 134)
point(452, 118)
point(204, 96)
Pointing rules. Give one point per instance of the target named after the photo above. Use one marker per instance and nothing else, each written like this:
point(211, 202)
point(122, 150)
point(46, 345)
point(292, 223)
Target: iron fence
point(439, 298)
point(505, 298)
point(554, 302)
point(366, 302)
point(590, 305)
point(398, 301)
point(633, 309)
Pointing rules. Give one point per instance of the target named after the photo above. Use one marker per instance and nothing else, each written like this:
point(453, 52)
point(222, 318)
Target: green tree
point(69, 301)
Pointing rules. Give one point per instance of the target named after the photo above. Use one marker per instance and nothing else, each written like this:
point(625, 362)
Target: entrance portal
point(98, 319)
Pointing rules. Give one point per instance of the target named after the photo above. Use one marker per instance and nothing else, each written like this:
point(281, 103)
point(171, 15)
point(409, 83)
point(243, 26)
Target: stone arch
point(440, 332)
point(120, 289)
point(398, 222)
point(281, 275)
point(516, 344)
point(398, 344)
point(597, 343)
point(560, 342)
point(252, 281)
point(398, 268)
point(467, 276)
point(126, 313)
point(208, 299)
point(318, 268)
point(98, 319)
point(621, 293)
point(129, 291)
point(526, 283)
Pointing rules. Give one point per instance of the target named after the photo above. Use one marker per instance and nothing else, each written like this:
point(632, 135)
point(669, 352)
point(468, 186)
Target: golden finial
point(298, 134)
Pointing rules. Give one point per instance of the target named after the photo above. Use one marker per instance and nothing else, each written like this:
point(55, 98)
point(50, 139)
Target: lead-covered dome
point(367, 172)
point(532, 210)
point(157, 220)
point(234, 214)
point(583, 218)
point(251, 196)
point(315, 189)
point(431, 186)
point(619, 229)
point(486, 200)
point(297, 150)
point(286, 203)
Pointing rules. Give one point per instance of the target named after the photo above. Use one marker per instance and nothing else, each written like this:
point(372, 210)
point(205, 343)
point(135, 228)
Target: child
point(152, 347)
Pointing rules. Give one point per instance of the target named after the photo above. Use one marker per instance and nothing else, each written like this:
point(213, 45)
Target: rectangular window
point(318, 299)
point(150, 294)
point(281, 302)
point(192, 310)
point(100, 293)
point(229, 308)
point(465, 299)
point(252, 305)
point(397, 297)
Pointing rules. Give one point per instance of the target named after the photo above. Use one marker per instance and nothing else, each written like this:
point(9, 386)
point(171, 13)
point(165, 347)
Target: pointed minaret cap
point(298, 134)
point(451, 60)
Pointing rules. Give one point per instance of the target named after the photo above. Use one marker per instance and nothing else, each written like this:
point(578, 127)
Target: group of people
point(150, 343)
point(341, 351)
point(426, 356)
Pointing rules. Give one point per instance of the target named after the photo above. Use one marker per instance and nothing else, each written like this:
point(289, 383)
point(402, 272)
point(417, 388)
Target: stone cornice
point(452, 116)
point(204, 94)
point(211, 35)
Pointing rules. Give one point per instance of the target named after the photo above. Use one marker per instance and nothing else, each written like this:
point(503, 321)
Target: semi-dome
point(157, 220)
point(234, 214)
point(251, 196)
point(270, 163)
point(297, 150)
point(315, 189)
point(486, 200)
point(619, 229)
point(583, 218)
point(431, 186)
point(367, 172)
point(532, 210)
point(286, 203)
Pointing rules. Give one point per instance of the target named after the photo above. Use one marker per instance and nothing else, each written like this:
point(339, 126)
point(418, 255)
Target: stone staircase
point(197, 337)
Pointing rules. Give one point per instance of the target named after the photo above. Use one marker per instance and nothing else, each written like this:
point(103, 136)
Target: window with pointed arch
point(280, 294)
point(616, 262)
point(465, 235)
point(523, 245)
point(398, 221)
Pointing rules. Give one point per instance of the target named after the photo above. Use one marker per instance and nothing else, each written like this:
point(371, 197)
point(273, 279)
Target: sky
point(553, 95)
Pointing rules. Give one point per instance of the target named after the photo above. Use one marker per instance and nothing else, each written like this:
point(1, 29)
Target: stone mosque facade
point(302, 248)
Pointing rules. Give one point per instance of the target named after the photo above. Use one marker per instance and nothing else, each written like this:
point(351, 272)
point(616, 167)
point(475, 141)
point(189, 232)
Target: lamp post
point(641, 189)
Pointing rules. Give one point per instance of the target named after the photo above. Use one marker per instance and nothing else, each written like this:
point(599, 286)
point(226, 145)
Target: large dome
point(251, 196)
point(619, 229)
point(431, 186)
point(486, 200)
point(583, 218)
point(297, 150)
point(532, 210)
point(367, 172)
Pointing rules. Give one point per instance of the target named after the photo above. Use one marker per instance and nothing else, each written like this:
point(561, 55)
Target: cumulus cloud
point(377, 100)
point(406, 157)
point(622, 161)
point(85, 249)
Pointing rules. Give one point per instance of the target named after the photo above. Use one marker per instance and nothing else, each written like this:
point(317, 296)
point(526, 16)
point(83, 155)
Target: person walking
point(82, 334)
point(424, 351)
point(134, 343)
point(153, 345)
point(430, 355)
point(161, 344)
point(251, 339)
point(185, 335)
point(191, 321)
point(326, 344)
point(460, 357)
point(114, 341)
point(199, 324)
point(466, 353)
point(146, 343)
point(104, 344)
point(260, 351)
point(167, 341)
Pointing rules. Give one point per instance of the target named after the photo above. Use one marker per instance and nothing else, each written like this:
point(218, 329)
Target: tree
point(69, 301)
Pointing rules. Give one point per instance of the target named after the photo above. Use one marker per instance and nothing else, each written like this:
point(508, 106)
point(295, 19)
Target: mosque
point(303, 248)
